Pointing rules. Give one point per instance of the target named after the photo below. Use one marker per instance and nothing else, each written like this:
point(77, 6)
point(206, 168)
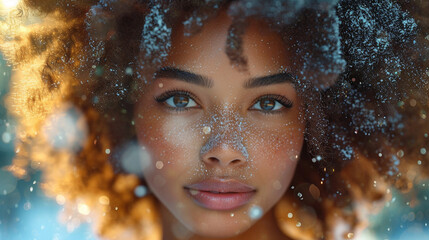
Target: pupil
point(267, 104)
point(181, 101)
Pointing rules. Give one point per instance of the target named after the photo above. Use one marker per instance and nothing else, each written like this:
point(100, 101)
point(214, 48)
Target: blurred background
point(25, 213)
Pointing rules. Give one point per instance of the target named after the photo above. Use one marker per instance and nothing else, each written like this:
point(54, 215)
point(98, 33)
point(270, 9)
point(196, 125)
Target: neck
point(264, 229)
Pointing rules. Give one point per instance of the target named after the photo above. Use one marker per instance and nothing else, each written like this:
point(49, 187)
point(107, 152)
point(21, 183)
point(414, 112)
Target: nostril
point(235, 161)
point(213, 160)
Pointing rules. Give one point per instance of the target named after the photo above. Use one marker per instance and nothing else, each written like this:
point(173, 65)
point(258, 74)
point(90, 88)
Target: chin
point(221, 225)
point(220, 232)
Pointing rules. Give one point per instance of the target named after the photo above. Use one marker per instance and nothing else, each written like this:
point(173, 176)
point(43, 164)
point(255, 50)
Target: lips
point(220, 194)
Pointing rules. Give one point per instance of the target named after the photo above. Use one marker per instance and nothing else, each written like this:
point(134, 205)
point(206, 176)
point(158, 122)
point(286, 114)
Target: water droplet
point(83, 209)
point(129, 71)
point(27, 206)
point(159, 165)
point(193, 192)
point(60, 199)
point(134, 158)
point(206, 129)
point(140, 191)
point(255, 212)
point(104, 200)
point(6, 137)
point(66, 129)
point(7, 182)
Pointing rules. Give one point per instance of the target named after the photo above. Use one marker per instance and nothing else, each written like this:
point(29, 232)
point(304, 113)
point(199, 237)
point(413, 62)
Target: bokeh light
point(9, 4)
point(66, 129)
point(134, 158)
point(7, 182)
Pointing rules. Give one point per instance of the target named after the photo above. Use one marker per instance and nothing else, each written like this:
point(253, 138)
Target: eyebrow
point(189, 77)
point(182, 75)
point(283, 77)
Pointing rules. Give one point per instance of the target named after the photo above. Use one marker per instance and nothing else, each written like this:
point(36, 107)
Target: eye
point(271, 103)
point(177, 100)
point(180, 101)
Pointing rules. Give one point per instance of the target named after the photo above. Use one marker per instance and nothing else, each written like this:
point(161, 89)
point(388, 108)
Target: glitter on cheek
point(177, 132)
point(207, 129)
point(177, 148)
point(274, 150)
point(159, 165)
point(171, 142)
point(285, 142)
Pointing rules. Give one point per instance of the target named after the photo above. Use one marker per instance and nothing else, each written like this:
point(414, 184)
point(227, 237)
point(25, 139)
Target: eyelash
point(279, 98)
point(166, 95)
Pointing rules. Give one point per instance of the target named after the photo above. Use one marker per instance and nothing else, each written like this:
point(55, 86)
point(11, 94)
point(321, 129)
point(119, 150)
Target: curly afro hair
point(83, 62)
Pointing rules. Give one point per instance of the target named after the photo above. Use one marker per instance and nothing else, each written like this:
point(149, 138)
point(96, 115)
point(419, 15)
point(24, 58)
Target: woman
point(235, 119)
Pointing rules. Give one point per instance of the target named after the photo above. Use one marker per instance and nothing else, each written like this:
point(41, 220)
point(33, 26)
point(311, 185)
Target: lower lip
point(220, 201)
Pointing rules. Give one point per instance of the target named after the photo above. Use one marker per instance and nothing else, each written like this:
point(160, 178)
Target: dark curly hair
point(365, 96)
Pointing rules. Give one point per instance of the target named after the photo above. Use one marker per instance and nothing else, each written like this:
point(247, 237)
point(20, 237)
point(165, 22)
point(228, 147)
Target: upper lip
point(221, 186)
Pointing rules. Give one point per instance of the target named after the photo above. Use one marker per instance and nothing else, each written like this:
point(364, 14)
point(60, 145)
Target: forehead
point(204, 52)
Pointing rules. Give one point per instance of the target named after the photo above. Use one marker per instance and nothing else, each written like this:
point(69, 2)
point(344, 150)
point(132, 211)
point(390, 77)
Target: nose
point(223, 151)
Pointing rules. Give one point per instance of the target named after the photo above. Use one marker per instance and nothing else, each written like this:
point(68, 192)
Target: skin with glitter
point(225, 130)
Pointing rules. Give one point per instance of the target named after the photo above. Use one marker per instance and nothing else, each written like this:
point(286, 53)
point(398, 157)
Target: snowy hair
point(83, 62)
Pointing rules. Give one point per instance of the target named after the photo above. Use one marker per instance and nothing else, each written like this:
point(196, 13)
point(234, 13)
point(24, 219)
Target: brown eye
point(272, 104)
point(177, 100)
point(267, 104)
point(180, 101)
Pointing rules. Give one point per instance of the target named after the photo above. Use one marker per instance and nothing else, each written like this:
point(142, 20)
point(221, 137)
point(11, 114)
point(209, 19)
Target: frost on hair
point(365, 96)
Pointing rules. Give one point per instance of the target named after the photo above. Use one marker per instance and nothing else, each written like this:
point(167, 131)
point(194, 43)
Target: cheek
point(276, 154)
point(167, 141)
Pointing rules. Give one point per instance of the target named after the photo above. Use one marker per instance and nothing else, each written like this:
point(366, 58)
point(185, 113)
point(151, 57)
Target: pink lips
point(220, 194)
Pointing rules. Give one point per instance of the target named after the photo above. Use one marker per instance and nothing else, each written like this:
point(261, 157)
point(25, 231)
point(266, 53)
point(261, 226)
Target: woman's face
point(223, 143)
